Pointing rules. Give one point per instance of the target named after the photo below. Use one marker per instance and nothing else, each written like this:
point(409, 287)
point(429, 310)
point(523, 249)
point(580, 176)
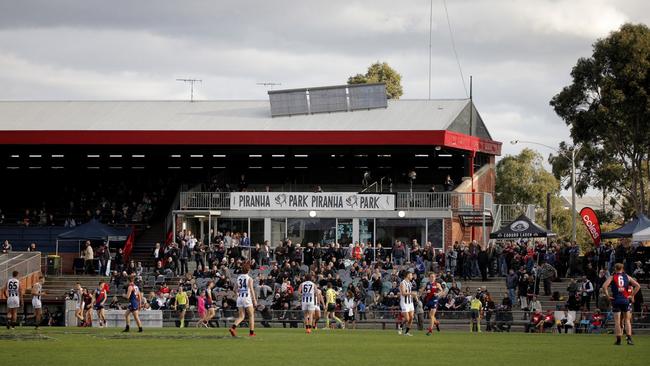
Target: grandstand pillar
point(267, 229)
point(355, 230)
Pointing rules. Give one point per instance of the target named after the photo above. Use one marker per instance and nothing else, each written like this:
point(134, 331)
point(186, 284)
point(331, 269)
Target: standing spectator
point(89, 258)
point(119, 260)
point(183, 256)
point(245, 241)
point(449, 184)
point(6, 247)
point(546, 274)
point(199, 251)
point(103, 255)
point(265, 254)
point(32, 248)
point(157, 253)
point(399, 253)
point(349, 307)
point(511, 284)
point(586, 292)
point(483, 263)
point(452, 255)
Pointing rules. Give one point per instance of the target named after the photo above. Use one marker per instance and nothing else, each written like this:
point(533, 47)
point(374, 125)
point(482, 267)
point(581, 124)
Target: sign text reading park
point(311, 201)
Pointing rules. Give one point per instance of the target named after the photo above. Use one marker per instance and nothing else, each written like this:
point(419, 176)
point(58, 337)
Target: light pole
point(573, 178)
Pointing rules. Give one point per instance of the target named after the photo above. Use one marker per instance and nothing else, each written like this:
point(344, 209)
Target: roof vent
point(327, 99)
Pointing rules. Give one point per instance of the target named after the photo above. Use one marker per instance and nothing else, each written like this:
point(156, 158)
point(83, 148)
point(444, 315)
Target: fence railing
point(205, 200)
point(390, 317)
point(455, 201)
point(23, 262)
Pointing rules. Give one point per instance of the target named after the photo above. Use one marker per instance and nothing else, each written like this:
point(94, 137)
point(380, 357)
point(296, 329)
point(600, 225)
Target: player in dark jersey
point(210, 305)
point(621, 288)
point(87, 299)
point(432, 292)
point(135, 302)
point(100, 300)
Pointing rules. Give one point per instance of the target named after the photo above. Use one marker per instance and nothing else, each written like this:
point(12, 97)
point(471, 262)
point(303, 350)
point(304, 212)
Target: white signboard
point(311, 201)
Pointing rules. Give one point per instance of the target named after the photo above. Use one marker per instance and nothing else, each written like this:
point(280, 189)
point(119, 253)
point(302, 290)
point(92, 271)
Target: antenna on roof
point(269, 85)
point(430, 35)
point(191, 82)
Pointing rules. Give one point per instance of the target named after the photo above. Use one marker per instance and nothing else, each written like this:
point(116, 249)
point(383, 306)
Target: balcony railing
point(408, 201)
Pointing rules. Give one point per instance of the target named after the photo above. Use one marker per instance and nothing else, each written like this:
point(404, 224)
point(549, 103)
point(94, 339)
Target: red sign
point(591, 222)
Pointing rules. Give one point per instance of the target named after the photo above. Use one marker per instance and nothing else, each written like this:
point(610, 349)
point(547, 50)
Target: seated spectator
point(536, 322)
point(549, 321)
point(566, 321)
point(597, 321)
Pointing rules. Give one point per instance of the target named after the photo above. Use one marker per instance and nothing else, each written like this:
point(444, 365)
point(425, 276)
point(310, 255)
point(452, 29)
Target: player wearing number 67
point(246, 301)
point(307, 291)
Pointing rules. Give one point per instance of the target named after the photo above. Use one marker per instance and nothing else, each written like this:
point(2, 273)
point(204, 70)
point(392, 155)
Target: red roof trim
point(139, 137)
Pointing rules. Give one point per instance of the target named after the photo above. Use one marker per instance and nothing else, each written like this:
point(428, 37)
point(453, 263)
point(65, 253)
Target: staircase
point(146, 242)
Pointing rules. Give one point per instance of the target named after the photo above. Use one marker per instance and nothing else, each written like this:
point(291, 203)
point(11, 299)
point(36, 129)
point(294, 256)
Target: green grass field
point(61, 346)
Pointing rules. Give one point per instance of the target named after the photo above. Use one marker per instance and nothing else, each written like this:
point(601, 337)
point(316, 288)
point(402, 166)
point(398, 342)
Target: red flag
point(128, 246)
point(590, 220)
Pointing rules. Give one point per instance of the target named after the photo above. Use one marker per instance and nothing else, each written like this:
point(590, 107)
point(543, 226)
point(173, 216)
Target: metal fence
point(205, 200)
point(389, 318)
point(23, 262)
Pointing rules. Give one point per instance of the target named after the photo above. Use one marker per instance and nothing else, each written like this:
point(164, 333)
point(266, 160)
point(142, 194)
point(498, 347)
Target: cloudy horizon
point(519, 53)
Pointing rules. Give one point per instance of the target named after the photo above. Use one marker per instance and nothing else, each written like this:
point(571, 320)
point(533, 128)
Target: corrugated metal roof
point(422, 115)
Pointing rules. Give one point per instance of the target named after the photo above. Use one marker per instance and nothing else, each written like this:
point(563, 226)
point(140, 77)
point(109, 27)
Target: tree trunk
point(641, 186)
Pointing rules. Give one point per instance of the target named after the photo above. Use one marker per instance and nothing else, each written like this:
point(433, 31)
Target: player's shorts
point(331, 307)
point(347, 317)
point(98, 307)
point(475, 314)
point(13, 302)
point(317, 308)
point(244, 302)
point(180, 307)
point(134, 306)
point(308, 306)
point(407, 308)
point(622, 307)
point(432, 304)
point(36, 303)
point(77, 306)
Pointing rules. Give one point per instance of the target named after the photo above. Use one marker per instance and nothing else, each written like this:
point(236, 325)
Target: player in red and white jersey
point(432, 292)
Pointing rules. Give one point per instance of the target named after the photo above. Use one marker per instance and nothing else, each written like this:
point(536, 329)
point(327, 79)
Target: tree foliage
point(607, 108)
point(522, 179)
point(381, 72)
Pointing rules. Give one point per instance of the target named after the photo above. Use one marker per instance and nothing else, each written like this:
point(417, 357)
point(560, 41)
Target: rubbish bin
point(53, 264)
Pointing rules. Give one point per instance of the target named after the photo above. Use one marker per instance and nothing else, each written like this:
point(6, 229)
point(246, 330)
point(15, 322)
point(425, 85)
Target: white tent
point(643, 235)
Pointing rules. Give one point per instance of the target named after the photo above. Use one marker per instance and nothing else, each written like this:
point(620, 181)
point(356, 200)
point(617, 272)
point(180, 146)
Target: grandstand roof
point(119, 122)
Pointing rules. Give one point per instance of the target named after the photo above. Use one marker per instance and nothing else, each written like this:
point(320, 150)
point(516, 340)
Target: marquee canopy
point(521, 227)
point(638, 224)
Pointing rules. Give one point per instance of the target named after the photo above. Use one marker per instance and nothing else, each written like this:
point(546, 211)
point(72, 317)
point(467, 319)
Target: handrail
point(28, 265)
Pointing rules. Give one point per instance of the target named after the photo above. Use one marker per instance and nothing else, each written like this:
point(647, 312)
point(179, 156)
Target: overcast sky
point(520, 52)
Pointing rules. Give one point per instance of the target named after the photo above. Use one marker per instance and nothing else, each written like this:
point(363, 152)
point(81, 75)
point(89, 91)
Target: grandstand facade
point(423, 168)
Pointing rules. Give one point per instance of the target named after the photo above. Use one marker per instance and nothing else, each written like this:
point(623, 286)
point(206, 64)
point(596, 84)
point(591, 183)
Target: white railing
point(205, 201)
point(508, 213)
point(23, 262)
point(455, 201)
point(409, 201)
